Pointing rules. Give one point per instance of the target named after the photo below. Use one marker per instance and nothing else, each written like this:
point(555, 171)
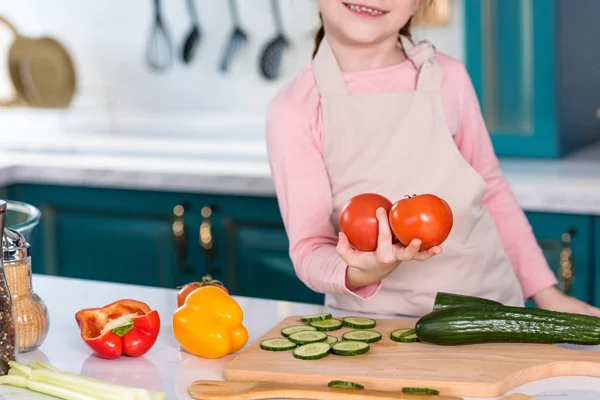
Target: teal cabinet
point(254, 250)
point(567, 244)
point(113, 235)
point(163, 239)
point(596, 250)
point(536, 81)
point(3, 193)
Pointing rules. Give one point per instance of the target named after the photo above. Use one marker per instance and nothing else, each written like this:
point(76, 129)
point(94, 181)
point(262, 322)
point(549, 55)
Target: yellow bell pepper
point(209, 323)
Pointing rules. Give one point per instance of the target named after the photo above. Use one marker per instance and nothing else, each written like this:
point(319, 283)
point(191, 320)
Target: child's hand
point(365, 268)
point(554, 300)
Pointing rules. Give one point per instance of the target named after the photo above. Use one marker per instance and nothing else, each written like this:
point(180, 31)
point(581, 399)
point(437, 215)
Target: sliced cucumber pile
point(350, 348)
point(288, 330)
point(312, 351)
point(367, 336)
point(306, 337)
point(359, 322)
point(404, 335)
point(420, 391)
point(344, 385)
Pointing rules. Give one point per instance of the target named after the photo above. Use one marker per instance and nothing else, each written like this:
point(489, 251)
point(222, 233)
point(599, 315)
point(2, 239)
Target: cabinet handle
point(206, 239)
point(566, 266)
point(178, 228)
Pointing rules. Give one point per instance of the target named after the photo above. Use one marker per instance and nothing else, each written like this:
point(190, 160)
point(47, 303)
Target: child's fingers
point(384, 251)
point(409, 252)
point(427, 254)
point(344, 249)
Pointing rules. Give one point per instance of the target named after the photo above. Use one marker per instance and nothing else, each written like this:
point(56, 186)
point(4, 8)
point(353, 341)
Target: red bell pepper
point(125, 327)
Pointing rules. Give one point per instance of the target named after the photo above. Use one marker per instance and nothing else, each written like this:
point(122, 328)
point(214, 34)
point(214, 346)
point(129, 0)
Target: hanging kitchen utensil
point(271, 60)
point(194, 37)
point(159, 53)
point(238, 42)
point(41, 71)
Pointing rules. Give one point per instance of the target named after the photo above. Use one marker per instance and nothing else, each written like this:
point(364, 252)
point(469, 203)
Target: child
point(377, 112)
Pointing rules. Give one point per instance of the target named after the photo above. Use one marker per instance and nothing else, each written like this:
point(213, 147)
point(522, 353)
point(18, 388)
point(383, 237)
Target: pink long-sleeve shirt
point(295, 149)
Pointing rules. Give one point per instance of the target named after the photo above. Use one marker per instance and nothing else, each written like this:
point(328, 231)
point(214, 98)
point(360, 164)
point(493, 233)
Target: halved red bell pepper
point(125, 327)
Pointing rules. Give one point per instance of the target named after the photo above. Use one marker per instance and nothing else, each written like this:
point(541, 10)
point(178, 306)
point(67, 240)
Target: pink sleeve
point(305, 202)
point(514, 229)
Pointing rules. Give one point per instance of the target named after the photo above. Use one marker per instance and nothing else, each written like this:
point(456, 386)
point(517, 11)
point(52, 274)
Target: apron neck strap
point(422, 56)
point(327, 72)
point(330, 81)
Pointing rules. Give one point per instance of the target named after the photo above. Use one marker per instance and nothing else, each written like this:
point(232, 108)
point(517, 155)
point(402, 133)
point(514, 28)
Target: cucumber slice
point(306, 337)
point(359, 322)
point(366, 336)
point(350, 348)
point(315, 317)
point(420, 391)
point(327, 325)
point(404, 335)
point(288, 330)
point(277, 344)
point(331, 339)
point(344, 385)
point(312, 351)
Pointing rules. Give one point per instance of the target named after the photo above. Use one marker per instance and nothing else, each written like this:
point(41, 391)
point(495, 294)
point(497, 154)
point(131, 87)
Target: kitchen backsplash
point(108, 41)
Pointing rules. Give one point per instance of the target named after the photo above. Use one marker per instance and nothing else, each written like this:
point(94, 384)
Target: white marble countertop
point(238, 165)
point(165, 367)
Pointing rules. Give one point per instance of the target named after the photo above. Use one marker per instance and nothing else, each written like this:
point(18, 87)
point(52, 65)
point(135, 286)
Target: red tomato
point(190, 287)
point(359, 221)
point(425, 217)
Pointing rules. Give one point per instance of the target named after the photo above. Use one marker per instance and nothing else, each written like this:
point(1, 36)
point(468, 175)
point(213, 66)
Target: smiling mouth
point(365, 9)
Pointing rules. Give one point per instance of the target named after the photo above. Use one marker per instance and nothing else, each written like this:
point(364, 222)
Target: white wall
point(107, 40)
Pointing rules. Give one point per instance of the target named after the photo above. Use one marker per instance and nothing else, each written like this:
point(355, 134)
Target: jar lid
point(14, 246)
point(2, 206)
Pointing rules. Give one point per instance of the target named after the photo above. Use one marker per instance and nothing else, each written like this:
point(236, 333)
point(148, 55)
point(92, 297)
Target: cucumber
point(344, 385)
point(404, 335)
point(312, 351)
point(350, 348)
point(366, 336)
point(503, 324)
point(359, 322)
point(288, 330)
point(306, 337)
point(315, 317)
point(331, 339)
point(327, 325)
point(443, 299)
point(277, 344)
point(420, 391)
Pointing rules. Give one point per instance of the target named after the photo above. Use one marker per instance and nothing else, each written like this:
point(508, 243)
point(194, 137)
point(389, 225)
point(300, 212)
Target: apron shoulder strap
point(422, 56)
point(328, 75)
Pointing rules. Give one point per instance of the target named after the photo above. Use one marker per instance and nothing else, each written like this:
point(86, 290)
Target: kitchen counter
point(238, 165)
point(165, 367)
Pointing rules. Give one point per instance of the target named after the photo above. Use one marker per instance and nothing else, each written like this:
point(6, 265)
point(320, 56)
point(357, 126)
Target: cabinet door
point(567, 244)
point(112, 235)
point(3, 193)
point(252, 251)
point(510, 56)
point(596, 248)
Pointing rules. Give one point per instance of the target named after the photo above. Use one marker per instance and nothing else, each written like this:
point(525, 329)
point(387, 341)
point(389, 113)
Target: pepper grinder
point(30, 312)
point(8, 337)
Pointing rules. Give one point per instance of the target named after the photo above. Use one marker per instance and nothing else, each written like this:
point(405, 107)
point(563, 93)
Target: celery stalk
point(45, 365)
point(40, 376)
point(57, 391)
point(14, 380)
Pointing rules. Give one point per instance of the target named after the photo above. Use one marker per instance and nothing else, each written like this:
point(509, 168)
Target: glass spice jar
point(8, 337)
point(30, 312)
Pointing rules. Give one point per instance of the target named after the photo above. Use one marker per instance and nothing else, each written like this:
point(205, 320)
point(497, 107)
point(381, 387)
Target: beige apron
point(397, 144)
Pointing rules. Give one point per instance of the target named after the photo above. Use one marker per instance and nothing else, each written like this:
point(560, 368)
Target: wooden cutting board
point(484, 370)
